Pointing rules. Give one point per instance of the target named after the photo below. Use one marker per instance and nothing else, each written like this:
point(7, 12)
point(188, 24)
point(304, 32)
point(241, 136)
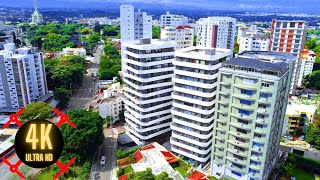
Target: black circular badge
point(39, 143)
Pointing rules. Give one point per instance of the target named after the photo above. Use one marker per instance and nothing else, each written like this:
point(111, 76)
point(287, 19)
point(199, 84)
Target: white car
point(103, 160)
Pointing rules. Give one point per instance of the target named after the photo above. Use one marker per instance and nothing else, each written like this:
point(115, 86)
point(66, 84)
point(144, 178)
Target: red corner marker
point(14, 168)
point(63, 119)
point(14, 118)
point(63, 168)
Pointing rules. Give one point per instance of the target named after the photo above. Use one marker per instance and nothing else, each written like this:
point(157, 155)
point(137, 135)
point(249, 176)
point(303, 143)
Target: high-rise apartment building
point(173, 20)
point(216, 32)
point(307, 61)
point(194, 93)
point(147, 71)
point(22, 77)
point(134, 25)
point(252, 94)
point(182, 35)
point(252, 39)
point(289, 36)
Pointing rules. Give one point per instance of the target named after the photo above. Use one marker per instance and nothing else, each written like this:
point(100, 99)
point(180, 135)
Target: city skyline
point(232, 5)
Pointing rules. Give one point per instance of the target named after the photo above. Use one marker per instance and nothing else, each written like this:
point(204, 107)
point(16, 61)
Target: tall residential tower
point(216, 32)
point(22, 77)
point(252, 95)
point(147, 71)
point(290, 37)
point(194, 94)
point(134, 25)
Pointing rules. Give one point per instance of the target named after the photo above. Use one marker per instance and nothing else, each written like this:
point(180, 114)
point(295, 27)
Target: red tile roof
point(137, 156)
point(183, 27)
point(149, 146)
point(197, 175)
point(124, 177)
point(167, 154)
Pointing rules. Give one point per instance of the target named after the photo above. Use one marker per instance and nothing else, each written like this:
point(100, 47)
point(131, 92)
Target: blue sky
point(270, 5)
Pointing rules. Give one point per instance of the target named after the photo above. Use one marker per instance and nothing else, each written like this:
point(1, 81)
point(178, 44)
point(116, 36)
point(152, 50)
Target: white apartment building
point(194, 93)
point(112, 107)
point(173, 20)
point(182, 35)
point(134, 25)
point(252, 95)
point(216, 32)
point(307, 60)
point(252, 39)
point(22, 77)
point(147, 71)
point(289, 36)
point(74, 51)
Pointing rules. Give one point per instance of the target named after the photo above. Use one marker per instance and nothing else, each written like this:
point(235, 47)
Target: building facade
point(216, 32)
point(252, 94)
point(74, 51)
point(290, 37)
point(36, 17)
point(22, 77)
point(252, 39)
point(112, 107)
point(173, 20)
point(307, 61)
point(194, 92)
point(182, 35)
point(134, 25)
point(147, 72)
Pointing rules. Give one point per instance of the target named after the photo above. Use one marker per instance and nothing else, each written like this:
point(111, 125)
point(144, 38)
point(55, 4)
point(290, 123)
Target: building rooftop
point(149, 42)
point(277, 68)
point(200, 51)
point(268, 56)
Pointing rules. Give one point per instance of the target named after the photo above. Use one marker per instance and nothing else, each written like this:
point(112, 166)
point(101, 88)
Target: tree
point(313, 80)
point(313, 135)
point(142, 175)
point(155, 32)
point(86, 138)
point(62, 95)
point(311, 44)
point(287, 169)
point(194, 40)
point(236, 48)
point(97, 28)
point(85, 31)
point(39, 110)
point(163, 176)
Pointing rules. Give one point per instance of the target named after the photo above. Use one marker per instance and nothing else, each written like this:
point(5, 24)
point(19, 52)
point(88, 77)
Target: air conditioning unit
point(241, 115)
point(263, 110)
point(235, 159)
point(236, 151)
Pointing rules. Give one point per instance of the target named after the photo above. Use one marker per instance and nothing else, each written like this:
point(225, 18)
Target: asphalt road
point(107, 149)
point(83, 95)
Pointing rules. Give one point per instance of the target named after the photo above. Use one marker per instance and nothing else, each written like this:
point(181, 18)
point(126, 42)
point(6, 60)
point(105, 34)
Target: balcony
point(239, 143)
point(241, 125)
point(237, 152)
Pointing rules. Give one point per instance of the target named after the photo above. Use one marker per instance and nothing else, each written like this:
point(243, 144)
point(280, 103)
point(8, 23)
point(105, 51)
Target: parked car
point(302, 138)
point(103, 160)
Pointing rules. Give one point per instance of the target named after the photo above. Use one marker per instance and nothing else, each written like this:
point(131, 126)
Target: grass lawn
point(45, 175)
point(181, 171)
point(127, 169)
point(303, 175)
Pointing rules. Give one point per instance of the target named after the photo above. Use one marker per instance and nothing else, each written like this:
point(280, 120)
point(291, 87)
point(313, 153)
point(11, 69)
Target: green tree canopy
point(155, 32)
point(143, 175)
point(62, 95)
point(39, 110)
point(86, 138)
point(313, 80)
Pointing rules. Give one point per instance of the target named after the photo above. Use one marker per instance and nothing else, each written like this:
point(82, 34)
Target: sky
point(262, 5)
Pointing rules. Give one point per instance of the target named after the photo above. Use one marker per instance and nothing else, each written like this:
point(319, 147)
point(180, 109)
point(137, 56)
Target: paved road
point(83, 95)
point(107, 149)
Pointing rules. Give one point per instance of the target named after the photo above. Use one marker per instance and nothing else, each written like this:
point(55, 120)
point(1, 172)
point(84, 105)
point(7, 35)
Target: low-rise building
point(112, 107)
point(295, 113)
point(173, 20)
point(74, 51)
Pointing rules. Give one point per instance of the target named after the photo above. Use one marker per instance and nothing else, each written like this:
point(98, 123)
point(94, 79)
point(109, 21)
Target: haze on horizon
point(305, 6)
